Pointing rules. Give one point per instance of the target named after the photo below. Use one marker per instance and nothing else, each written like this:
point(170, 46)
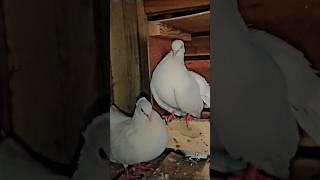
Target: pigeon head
point(144, 108)
point(177, 47)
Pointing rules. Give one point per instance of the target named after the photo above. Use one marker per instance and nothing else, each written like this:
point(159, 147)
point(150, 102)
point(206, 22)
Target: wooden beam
point(143, 47)
point(161, 6)
point(125, 61)
point(158, 29)
point(194, 23)
point(198, 46)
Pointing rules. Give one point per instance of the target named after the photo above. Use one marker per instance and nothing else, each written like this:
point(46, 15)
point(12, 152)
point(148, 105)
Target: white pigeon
point(17, 164)
point(303, 85)
point(173, 87)
point(138, 139)
point(204, 92)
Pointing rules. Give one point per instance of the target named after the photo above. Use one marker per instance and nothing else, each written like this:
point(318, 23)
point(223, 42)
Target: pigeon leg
point(168, 118)
point(251, 174)
point(187, 118)
point(128, 175)
point(141, 167)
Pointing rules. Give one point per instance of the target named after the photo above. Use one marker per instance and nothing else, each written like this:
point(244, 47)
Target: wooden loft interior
point(136, 48)
point(189, 21)
point(168, 20)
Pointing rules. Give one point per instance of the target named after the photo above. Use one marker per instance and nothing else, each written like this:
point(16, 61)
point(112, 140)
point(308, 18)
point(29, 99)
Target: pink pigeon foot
point(141, 167)
point(187, 118)
point(251, 174)
point(168, 118)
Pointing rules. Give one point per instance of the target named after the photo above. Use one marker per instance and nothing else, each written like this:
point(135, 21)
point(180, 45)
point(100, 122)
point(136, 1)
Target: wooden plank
point(125, 62)
point(143, 47)
point(281, 18)
point(194, 23)
point(198, 46)
point(195, 138)
point(160, 6)
point(158, 29)
point(200, 66)
point(37, 113)
point(174, 166)
point(56, 84)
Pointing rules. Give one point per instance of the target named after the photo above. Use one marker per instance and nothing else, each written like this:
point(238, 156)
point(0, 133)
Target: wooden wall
point(58, 80)
point(296, 21)
point(129, 62)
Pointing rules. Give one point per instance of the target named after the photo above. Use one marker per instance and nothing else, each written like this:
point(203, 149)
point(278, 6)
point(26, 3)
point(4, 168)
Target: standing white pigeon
point(173, 87)
point(138, 139)
point(17, 164)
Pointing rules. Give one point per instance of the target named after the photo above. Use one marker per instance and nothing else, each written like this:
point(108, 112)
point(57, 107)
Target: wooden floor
point(170, 165)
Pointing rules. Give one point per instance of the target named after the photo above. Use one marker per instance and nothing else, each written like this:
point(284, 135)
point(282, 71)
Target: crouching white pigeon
point(138, 139)
point(17, 164)
point(176, 89)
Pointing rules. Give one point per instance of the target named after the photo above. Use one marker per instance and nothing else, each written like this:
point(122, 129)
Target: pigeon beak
point(174, 53)
point(150, 115)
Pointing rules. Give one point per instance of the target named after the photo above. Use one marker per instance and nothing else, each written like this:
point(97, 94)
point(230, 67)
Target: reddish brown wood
point(200, 66)
point(160, 6)
point(158, 47)
point(198, 22)
point(198, 46)
point(297, 22)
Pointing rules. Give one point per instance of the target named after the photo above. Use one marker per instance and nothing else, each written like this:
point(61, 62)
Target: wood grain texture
point(200, 45)
point(56, 81)
point(160, 6)
point(200, 66)
point(194, 23)
point(143, 47)
point(125, 62)
point(297, 22)
point(158, 29)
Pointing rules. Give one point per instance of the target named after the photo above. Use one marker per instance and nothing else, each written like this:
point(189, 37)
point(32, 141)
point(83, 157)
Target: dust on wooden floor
point(169, 165)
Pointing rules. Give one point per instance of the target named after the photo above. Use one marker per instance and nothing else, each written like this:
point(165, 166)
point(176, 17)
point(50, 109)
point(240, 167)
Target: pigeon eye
point(142, 110)
point(102, 154)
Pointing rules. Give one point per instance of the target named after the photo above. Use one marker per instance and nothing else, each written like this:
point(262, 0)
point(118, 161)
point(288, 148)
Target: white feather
point(135, 140)
point(173, 87)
